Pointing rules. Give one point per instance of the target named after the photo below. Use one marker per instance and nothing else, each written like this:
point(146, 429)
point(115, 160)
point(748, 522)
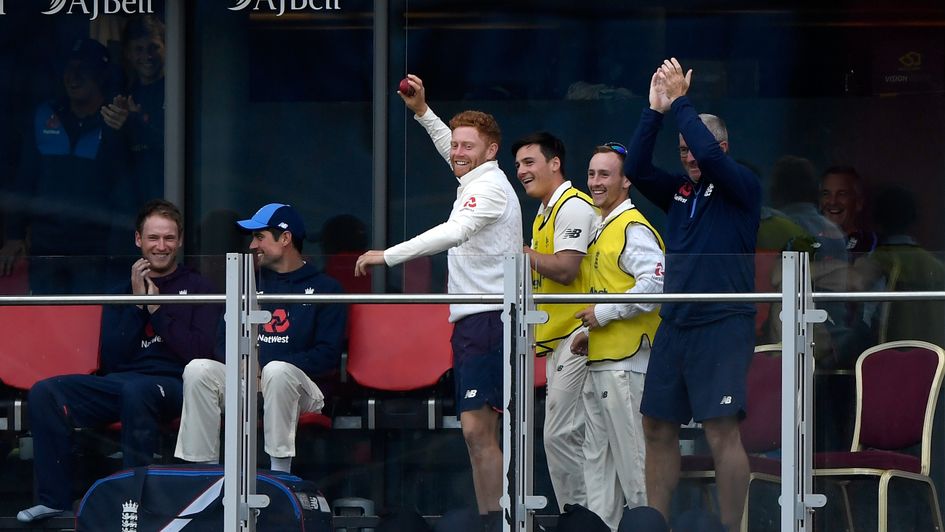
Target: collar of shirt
point(625, 205)
point(477, 172)
point(543, 209)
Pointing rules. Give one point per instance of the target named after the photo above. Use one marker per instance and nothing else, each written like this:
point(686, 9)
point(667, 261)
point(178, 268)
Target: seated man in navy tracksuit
point(144, 349)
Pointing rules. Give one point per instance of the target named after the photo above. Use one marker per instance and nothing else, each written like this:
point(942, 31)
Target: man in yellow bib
point(625, 256)
point(560, 236)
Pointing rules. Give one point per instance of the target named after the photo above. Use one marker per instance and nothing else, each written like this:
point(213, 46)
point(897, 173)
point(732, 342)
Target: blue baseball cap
point(276, 216)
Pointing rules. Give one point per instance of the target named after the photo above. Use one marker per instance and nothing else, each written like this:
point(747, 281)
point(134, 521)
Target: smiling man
point(701, 353)
point(143, 353)
point(560, 236)
point(842, 201)
point(299, 349)
point(484, 226)
point(625, 256)
point(64, 196)
point(138, 112)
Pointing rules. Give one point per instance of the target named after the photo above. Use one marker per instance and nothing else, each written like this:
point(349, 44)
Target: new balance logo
point(726, 400)
point(572, 233)
point(470, 394)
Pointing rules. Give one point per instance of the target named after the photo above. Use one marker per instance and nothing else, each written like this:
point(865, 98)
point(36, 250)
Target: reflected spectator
point(794, 193)
point(901, 264)
point(838, 342)
point(60, 203)
point(841, 201)
point(143, 353)
point(138, 112)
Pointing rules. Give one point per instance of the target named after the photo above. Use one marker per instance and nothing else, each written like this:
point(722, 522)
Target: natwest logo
point(279, 7)
point(95, 7)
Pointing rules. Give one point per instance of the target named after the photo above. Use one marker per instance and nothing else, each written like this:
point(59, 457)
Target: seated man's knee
point(199, 370)
point(139, 392)
point(42, 391)
point(275, 373)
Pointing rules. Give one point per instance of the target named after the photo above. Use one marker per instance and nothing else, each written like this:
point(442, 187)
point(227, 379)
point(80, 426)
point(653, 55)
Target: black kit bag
point(190, 498)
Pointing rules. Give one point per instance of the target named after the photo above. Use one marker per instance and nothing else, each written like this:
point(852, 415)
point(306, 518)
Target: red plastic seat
point(394, 350)
point(399, 347)
point(45, 341)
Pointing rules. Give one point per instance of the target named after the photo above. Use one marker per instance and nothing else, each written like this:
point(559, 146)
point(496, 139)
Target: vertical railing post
point(518, 418)
point(240, 500)
point(798, 316)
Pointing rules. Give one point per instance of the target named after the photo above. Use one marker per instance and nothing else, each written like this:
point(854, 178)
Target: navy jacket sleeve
point(657, 185)
point(741, 185)
point(189, 330)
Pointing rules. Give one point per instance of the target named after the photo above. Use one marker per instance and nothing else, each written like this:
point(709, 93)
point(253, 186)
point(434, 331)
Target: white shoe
point(38, 512)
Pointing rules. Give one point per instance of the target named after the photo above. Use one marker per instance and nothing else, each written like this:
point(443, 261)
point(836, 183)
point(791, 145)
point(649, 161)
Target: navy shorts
point(477, 361)
point(699, 372)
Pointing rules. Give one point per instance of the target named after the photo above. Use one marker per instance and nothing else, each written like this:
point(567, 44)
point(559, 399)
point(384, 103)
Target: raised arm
point(656, 184)
point(439, 132)
point(711, 153)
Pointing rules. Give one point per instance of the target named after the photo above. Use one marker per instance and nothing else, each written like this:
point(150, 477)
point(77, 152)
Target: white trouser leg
point(287, 391)
point(564, 424)
point(204, 386)
point(614, 445)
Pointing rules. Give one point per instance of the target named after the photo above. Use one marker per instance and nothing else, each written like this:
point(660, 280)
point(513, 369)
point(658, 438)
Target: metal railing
point(519, 315)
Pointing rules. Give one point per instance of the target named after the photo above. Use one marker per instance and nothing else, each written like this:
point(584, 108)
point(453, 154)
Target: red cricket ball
point(405, 88)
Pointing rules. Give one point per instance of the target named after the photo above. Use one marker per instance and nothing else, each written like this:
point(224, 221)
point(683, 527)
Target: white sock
point(281, 464)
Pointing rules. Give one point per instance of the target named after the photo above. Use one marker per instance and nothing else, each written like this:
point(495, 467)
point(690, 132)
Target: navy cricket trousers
point(58, 405)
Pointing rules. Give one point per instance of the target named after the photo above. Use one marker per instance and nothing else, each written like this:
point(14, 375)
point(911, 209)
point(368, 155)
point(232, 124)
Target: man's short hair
point(716, 126)
point(143, 26)
point(276, 233)
point(484, 123)
point(550, 145)
point(160, 207)
point(847, 171)
point(612, 147)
